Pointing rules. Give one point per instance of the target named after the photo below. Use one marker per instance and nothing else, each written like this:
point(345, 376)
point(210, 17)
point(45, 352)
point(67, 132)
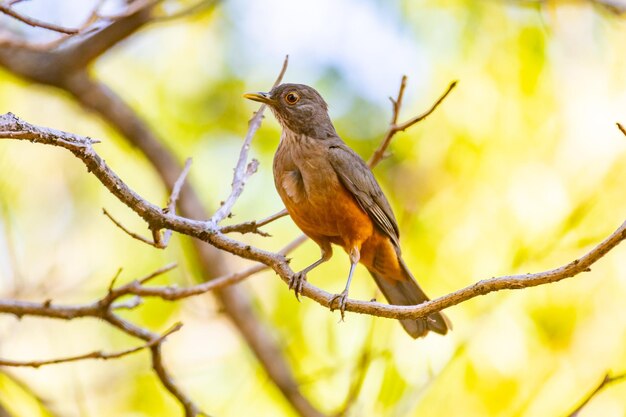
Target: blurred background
point(521, 169)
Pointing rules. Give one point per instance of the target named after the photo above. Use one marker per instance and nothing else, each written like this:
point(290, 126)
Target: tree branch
point(158, 241)
point(189, 407)
point(85, 49)
point(254, 225)
point(92, 355)
point(172, 293)
point(103, 309)
point(607, 380)
point(243, 169)
point(510, 282)
point(212, 235)
point(30, 21)
point(395, 127)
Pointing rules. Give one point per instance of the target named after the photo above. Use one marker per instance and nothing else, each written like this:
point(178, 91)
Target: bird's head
point(299, 108)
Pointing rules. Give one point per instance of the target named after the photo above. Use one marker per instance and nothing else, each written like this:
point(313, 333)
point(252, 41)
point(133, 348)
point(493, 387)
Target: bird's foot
point(341, 302)
point(296, 282)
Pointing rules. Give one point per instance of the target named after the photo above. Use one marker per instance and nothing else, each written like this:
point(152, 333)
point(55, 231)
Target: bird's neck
point(314, 128)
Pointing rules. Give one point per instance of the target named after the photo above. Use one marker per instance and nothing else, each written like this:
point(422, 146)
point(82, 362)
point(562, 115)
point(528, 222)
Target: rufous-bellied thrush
point(332, 195)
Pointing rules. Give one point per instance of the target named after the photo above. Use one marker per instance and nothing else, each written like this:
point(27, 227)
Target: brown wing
point(356, 176)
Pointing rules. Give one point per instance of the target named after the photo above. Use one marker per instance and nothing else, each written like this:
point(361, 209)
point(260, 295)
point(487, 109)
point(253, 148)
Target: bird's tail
point(406, 291)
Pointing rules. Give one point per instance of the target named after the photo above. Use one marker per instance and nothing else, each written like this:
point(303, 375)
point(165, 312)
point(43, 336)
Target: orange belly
point(325, 211)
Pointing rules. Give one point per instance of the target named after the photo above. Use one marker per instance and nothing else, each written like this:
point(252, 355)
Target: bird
point(333, 197)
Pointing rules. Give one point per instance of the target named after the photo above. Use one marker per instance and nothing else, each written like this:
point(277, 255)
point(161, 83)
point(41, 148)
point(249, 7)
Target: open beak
point(260, 97)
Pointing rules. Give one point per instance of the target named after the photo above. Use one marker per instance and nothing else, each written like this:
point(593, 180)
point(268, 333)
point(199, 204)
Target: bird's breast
point(314, 197)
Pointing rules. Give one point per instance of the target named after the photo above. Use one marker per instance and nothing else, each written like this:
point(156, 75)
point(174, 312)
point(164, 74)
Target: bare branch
point(47, 309)
point(128, 232)
point(114, 280)
point(395, 127)
point(243, 170)
point(92, 355)
point(157, 273)
point(254, 225)
point(90, 46)
point(161, 241)
point(156, 218)
point(190, 409)
point(103, 309)
point(8, 10)
point(172, 293)
point(178, 185)
point(621, 128)
point(158, 241)
point(607, 380)
point(397, 103)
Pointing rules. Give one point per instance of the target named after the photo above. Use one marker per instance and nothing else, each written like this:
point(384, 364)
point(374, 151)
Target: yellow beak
point(260, 97)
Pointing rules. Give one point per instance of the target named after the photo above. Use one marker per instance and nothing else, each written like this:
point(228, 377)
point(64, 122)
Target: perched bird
point(332, 195)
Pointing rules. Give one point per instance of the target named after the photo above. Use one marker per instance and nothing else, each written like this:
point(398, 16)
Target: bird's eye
point(292, 97)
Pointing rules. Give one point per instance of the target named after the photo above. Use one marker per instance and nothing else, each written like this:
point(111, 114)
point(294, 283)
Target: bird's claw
point(341, 302)
point(296, 282)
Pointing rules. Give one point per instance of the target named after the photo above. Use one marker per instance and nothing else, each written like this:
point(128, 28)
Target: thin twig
point(254, 225)
point(243, 169)
point(403, 126)
point(189, 407)
point(395, 127)
point(607, 380)
point(8, 10)
point(114, 279)
point(92, 355)
point(158, 241)
point(158, 272)
point(161, 242)
point(172, 293)
point(178, 186)
point(128, 232)
point(621, 128)
point(93, 18)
